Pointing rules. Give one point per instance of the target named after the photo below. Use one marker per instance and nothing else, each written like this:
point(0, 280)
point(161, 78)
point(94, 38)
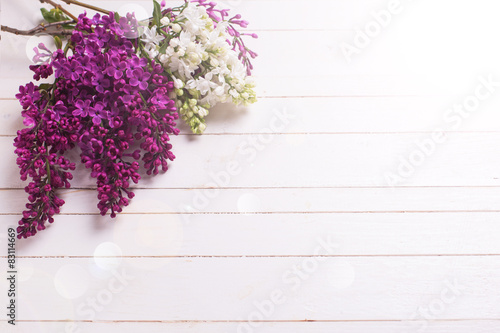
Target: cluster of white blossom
point(204, 67)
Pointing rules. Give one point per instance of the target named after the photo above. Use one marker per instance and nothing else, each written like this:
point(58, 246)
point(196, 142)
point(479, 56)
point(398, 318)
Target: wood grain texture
point(483, 326)
point(326, 115)
point(202, 249)
point(363, 234)
point(282, 200)
point(264, 160)
point(168, 289)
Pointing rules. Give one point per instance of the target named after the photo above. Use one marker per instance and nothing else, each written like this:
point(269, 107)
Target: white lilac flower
point(151, 49)
point(150, 36)
point(205, 68)
point(178, 84)
point(196, 17)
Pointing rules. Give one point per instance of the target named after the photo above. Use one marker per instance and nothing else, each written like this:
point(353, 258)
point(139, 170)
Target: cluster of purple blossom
point(105, 100)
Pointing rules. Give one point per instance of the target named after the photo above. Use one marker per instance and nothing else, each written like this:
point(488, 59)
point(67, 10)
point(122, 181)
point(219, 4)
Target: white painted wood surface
point(308, 219)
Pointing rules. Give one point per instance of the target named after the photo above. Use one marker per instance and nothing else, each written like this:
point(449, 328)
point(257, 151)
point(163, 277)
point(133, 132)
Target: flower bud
point(176, 28)
point(202, 112)
point(165, 21)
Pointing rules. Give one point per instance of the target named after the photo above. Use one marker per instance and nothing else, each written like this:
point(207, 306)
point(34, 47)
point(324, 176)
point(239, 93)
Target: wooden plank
point(298, 86)
point(280, 200)
point(399, 249)
point(384, 69)
point(477, 326)
point(304, 45)
point(397, 234)
point(165, 289)
point(395, 49)
point(325, 115)
point(333, 14)
point(327, 86)
point(315, 160)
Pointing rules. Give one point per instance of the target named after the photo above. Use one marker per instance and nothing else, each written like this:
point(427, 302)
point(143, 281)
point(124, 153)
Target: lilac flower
point(159, 98)
point(97, 113)
point(44, 71)
point(28, 95)
point(82, 108)
point(138, 78)
point(59, 109)
point(128, 26)
point(42, 57)
point(96, 104)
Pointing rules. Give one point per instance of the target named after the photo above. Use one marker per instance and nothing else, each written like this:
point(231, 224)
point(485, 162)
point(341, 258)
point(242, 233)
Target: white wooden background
point(420, 256)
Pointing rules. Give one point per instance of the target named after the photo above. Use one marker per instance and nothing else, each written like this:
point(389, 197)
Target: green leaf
point(45, 86)
point(54, 15)
point(58, 42)
point(156, 13)
point(48, 15)
point(163, 47)
point(117, 17)
point(58, 15)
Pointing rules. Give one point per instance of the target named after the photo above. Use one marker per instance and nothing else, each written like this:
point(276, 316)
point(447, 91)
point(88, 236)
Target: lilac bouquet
point(118, 86)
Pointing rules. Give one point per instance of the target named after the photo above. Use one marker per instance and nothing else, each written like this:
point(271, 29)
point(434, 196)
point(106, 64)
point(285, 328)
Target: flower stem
point(81, 4)
point(67, 47)
point(47, 164)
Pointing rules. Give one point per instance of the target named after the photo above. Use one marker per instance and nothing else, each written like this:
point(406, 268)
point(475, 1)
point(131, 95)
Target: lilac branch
point(41, 28)
point(81, 4)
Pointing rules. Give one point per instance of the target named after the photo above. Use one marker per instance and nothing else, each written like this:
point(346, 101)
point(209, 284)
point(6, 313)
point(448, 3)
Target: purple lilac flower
point(104, 99)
